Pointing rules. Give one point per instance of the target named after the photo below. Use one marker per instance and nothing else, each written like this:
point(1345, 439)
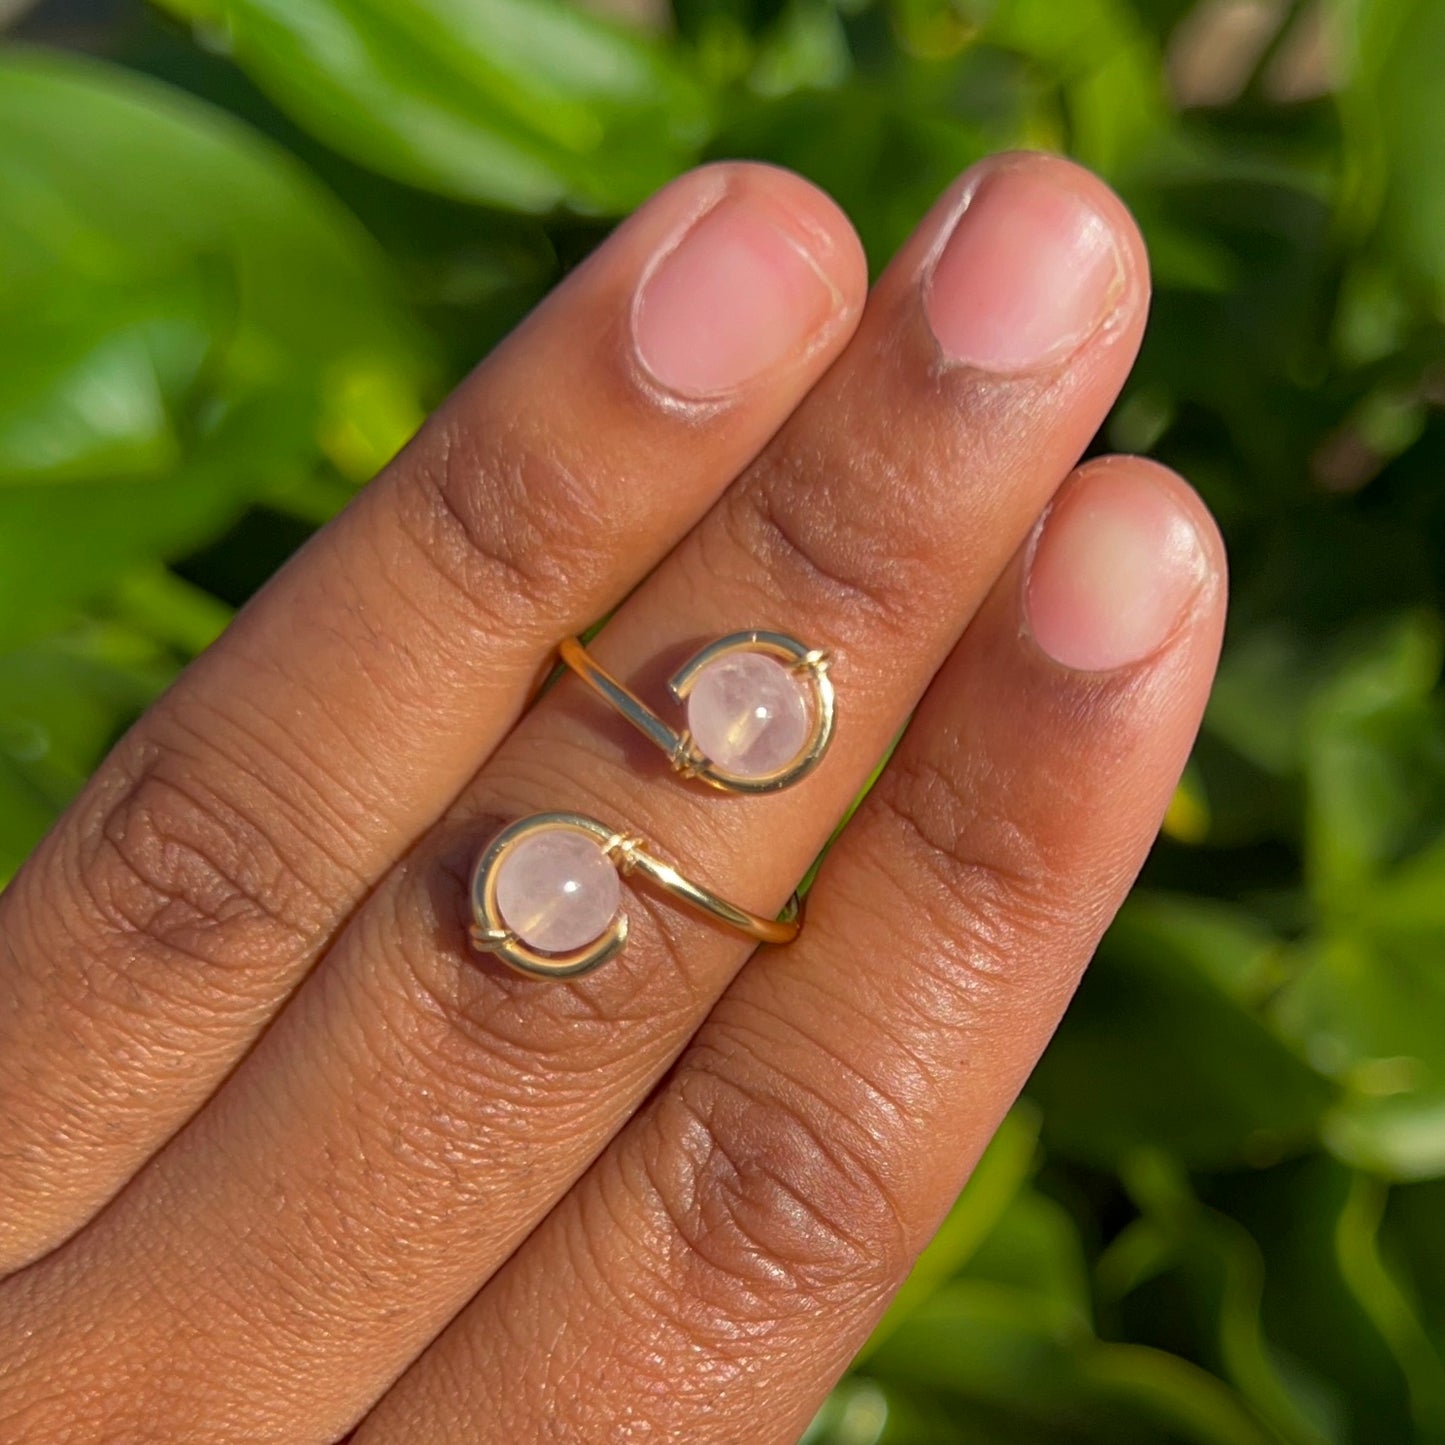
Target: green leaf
point(202, 321)
point(108, 372)
point(1297, 682)
point(1373, 1016)
point(1409, 1243)
point(805, 47)
point(1035, 1246)
point(1375, 764)
point(1344, 1318)
point(159, 605)
point(1203, 1272)
point(993, 1186)
point(1019, 1365)
point(108, 176)
point(529, 104)
point(1366, 1001)
point(62, 544)
point(1162, 1047)
point(1388, 1304)
point(1395, 109)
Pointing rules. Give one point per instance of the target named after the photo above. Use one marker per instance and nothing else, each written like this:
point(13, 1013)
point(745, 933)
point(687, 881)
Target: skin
point(283, 1160)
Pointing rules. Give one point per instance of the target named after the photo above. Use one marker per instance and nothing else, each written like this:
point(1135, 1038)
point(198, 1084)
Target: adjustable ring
point(760, 710)
point(547, 896)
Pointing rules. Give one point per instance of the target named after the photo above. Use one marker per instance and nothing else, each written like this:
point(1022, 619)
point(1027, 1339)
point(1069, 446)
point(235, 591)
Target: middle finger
point(411, 1116)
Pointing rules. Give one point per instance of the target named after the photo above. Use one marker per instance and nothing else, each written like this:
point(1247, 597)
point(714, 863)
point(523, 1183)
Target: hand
point(280, 1155)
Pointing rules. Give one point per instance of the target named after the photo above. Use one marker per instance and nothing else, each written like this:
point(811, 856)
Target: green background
point(235, 270)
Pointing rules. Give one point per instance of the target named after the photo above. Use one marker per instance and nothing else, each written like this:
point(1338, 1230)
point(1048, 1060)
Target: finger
point(745, 1233)
point(215, 852)
point(419, 1113)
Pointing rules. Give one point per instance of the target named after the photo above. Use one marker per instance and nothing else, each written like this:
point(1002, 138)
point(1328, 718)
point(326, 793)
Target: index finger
point(215, 853)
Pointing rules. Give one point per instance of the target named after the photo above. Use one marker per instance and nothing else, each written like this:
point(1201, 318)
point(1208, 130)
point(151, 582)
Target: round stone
point(557, 890)
point(749, 714)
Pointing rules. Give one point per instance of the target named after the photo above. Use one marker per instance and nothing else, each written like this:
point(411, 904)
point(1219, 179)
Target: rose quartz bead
point(557, 890)
point(748, 714)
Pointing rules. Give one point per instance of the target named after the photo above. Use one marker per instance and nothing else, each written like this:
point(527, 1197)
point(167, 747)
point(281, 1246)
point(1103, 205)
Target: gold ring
point(547, 896)
point(760, 710)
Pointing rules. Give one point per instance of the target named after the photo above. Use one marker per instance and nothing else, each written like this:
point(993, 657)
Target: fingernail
point(736, 296)
point(1030, 271)
point(1113, 571)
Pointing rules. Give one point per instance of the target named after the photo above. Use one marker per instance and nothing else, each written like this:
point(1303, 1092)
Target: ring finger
point(821, 1122)
point(410, 1117)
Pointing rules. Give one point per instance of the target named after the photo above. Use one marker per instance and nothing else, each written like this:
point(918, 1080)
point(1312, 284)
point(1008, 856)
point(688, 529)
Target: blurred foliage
point(245, 243)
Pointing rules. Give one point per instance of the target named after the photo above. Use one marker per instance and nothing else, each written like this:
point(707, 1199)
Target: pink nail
point(736, 297)
point(1114, 570)
point(1030, 271)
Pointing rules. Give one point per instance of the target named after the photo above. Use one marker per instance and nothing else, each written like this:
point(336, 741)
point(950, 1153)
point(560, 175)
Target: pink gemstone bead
point(557, 890)
point(749, 714)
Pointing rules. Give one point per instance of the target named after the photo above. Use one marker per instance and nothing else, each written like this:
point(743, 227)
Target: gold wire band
point(618, 695)
point(631, 854)
point(682, 752)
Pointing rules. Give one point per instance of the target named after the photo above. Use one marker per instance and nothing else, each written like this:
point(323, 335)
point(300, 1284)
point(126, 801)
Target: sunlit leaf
point(107, 380)
point(1373, 1016)
point(523, 103)
point(191, 306)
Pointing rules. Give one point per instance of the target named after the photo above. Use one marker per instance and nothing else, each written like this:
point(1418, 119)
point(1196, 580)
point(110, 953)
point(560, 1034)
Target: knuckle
point(495, 1041)
point(504, 520)
point(800, 523)
point(493, 1038)
point(768, 1208)
point(985, 885)
point(173, 870)
point(942, 822)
